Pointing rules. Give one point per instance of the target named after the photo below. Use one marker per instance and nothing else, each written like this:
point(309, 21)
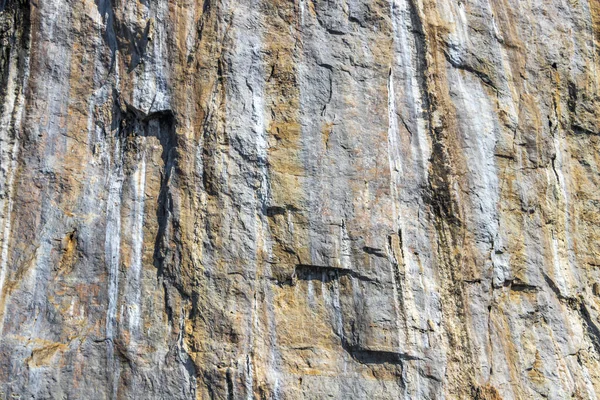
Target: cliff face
point(302, 199)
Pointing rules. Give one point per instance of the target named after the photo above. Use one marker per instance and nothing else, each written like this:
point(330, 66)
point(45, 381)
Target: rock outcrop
point(307, 199)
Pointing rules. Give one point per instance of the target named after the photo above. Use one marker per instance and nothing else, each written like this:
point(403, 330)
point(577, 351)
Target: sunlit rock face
point(301, 199)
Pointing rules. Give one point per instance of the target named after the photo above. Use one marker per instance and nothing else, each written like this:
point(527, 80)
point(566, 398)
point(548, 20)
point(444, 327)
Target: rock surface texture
point(299, 199)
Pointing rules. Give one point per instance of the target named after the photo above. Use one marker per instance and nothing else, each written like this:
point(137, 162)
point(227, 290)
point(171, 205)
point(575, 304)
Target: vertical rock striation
point(308, 199)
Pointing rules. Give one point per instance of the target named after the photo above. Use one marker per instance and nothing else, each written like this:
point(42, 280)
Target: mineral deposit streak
point(139, 183)
point(268, 199)
point(112, 249)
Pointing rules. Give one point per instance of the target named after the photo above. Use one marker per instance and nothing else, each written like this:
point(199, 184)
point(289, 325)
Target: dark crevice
point(133, 43)
point(273, 211)
point(121, 37)
point(570, 300)
point(325, 65)
point(374, 251)
point(552, 286)
point(229, 378)
point(408, 128)
point(592, 329)
point(433, 378)
point(401, 243)
point(367, 356)
point(420, 51)
point(130, 123)
point(105, 9)
point(190, 367)
point(325, 274)
point(572, 99)
point(518, 286)
point(334, 31)
point(206, 6)
point(438, 195)
point(167, 248)
point(580, 130)
point(505, 156)
point(355, 20)
point(554, 169)
point(15, 39)
point(485, 78)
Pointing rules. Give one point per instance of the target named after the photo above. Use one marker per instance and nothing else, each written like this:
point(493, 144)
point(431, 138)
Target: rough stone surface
point(300, 199)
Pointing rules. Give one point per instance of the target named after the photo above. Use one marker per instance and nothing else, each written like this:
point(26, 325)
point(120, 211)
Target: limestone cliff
point(299, 199)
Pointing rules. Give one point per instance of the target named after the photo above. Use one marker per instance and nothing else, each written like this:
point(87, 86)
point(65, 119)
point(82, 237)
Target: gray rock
point(301, 200)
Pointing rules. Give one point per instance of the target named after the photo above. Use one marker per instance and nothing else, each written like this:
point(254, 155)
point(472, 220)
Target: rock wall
point(300, 199)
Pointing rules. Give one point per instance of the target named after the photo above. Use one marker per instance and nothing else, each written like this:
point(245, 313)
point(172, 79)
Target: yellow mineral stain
point(44, 353)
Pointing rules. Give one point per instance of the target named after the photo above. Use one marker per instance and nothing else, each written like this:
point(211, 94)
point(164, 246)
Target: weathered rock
point(299, 200)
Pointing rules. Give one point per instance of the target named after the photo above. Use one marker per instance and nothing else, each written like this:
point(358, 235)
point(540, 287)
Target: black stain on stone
point(229, 378)
point(368, 356)
point(572, 99)
point(15, 41)
point(592, 329)
point(374, 251)
point(325, 274)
